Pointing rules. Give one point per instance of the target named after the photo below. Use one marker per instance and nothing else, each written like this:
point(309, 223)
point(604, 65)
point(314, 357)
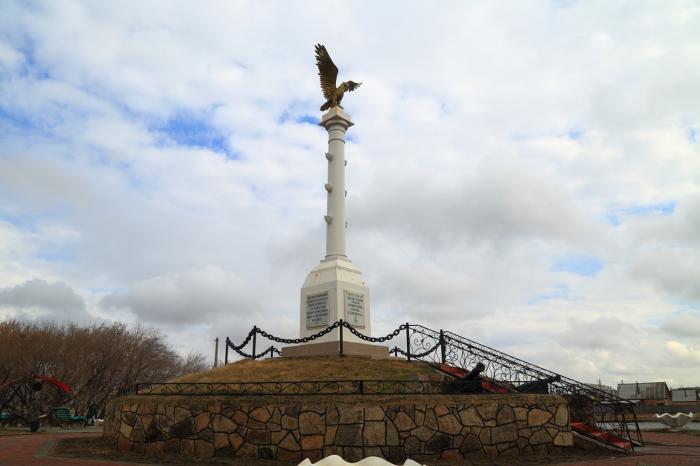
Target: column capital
point(336, 115)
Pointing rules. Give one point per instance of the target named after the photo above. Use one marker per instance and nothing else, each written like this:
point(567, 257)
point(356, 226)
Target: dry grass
point(333, 400)
point(317, 368)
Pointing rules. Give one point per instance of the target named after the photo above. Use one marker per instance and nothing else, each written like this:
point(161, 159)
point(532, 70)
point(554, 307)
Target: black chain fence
point(340, 324)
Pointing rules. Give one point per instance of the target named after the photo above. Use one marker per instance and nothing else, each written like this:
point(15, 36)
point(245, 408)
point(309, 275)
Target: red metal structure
point(28, 400)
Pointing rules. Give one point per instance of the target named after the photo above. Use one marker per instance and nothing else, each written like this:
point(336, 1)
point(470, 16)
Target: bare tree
point(95, 360)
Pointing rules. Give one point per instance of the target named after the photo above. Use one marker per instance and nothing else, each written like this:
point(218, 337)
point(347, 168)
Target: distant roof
point(643, 391)
point(685, 394)
point(605, 388)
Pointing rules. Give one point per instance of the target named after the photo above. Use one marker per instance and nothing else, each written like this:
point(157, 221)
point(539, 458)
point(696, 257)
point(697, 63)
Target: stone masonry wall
point(290, 429)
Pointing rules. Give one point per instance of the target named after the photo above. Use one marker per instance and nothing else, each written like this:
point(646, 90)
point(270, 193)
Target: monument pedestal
point(334, 290)
point(332, 348)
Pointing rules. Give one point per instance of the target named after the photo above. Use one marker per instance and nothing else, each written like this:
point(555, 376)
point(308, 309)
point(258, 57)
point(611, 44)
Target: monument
point(330, 410)
point(335, 288)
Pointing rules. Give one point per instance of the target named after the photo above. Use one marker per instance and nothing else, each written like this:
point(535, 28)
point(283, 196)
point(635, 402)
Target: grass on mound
point(315, 368)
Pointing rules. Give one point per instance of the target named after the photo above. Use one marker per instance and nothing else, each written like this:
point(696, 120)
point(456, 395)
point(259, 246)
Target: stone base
point(289, 428)
point(332, 348)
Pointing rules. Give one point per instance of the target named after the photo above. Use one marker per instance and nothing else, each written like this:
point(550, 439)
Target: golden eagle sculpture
point(329, 74)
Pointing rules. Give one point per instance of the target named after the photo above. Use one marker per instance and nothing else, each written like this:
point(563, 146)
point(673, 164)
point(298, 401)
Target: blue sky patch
point(584, 265)
point(187, 129)
point(561, 291)
point(301, 119)
point(23, 221)
point(693, 135)
point(615, 214)
point(58, 254)
point(575, 134)
point(15, 119)
point(31, 67)
point(308, 119)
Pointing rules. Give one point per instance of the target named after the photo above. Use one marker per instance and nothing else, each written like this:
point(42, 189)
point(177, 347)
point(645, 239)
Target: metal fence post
point(408, 344)
point(341, 338)
point(255, 334)
point(272, 352)
point(216, 352)
point(443, 352)
point(226, 354)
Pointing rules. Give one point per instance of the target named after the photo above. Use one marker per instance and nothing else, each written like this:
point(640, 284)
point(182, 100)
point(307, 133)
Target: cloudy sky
point(525, 174)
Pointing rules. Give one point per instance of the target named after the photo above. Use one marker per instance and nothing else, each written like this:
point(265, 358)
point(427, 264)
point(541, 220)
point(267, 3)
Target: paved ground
point(32, 450)
point(662, 450)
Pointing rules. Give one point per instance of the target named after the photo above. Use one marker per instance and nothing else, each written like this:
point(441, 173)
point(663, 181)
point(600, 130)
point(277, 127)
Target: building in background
point(654, 398)
point(685, 395)
point(648, 393)
point(605, 388)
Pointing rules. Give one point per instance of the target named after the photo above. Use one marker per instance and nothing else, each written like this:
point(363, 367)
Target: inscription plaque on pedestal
point(317, 310)
point(355, 309)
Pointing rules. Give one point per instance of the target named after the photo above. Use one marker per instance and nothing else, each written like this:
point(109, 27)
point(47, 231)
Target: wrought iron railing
point(615, 413)
point(443, 347)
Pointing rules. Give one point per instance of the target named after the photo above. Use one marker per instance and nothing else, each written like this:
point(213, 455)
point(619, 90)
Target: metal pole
point(255, 334)
point(443, 352)
point(272, 353)
point(216, 352)
point(341, 338)
point(226, 352)
point(408, 344)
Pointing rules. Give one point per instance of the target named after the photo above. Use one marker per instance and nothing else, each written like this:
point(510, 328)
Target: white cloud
point(196, 296)
point(489, 143)
point(683, 326)
point(683, 353)
point(39, 298)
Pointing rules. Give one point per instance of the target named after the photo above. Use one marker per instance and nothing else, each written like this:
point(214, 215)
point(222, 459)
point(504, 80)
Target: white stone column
point(336, 122)
point(335, 288)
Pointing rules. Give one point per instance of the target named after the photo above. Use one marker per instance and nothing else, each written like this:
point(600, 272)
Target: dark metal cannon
point(537, 386)
point(470, 383)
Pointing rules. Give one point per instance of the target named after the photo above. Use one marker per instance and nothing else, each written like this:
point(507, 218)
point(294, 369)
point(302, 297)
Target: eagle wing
point(326, 70)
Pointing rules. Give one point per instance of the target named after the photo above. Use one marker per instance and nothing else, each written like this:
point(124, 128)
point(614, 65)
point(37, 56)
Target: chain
point(243, 353)
point(372, 339)
point(271, 349)
point(296, 341)
point(416, 355)
point(245, 342)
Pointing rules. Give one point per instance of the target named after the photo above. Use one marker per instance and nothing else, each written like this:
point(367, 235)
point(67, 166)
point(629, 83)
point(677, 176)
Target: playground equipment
point(28, 400)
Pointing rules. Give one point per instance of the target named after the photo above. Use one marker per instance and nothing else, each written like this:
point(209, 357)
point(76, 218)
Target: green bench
point(6, 418)
point(62, 414)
